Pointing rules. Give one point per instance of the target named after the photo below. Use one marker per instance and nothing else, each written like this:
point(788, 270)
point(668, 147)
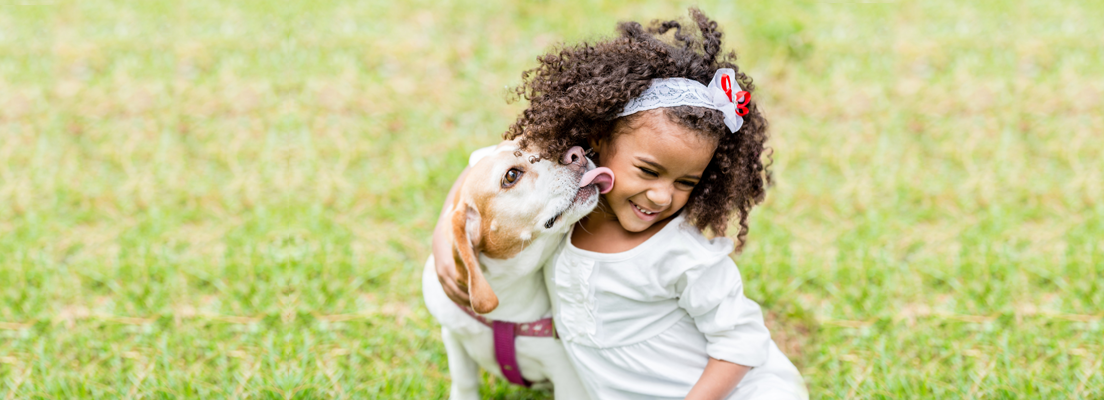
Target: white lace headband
point(719, 95)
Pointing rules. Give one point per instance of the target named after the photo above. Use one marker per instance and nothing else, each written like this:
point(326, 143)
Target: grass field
point(212, 199)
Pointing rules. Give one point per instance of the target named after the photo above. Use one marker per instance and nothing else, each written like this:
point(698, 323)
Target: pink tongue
point(601, 176)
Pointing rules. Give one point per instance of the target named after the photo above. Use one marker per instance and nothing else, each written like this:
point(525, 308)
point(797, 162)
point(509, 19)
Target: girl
point(646, 305)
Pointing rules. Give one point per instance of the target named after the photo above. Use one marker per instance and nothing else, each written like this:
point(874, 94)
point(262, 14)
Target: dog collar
point(504, 335)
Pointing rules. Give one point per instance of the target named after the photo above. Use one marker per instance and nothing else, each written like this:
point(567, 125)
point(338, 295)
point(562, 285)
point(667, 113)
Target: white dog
point(507, 218)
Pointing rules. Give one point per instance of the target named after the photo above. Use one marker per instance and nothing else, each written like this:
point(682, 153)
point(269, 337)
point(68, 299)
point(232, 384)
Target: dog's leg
point(462, 368)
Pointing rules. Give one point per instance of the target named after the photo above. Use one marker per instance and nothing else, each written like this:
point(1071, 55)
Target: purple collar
point(504, 334)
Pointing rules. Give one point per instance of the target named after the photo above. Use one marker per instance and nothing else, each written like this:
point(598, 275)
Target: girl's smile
point(657, 164)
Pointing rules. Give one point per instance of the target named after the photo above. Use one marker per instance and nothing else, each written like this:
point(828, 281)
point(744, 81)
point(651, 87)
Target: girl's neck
point(601, 232)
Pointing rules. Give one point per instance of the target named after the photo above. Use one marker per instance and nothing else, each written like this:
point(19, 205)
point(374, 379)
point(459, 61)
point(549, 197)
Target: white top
point(641, 324)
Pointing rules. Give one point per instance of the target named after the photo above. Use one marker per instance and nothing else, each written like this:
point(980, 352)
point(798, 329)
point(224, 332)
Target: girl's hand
point(718, 380)
point(442, 251)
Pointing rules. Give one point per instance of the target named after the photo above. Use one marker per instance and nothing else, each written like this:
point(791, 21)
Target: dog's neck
point(519, 283)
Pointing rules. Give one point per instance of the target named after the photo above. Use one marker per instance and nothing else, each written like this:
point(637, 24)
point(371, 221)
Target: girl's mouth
point(643, 214)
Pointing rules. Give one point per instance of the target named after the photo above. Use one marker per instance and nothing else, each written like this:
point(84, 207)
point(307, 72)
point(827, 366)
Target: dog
point(509, 215)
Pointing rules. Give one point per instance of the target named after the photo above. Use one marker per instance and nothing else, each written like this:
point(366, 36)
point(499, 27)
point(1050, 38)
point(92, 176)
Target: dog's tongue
point(601, 176)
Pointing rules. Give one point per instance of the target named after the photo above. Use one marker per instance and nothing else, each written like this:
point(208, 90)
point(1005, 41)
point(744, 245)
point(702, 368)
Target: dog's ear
point(465, 235)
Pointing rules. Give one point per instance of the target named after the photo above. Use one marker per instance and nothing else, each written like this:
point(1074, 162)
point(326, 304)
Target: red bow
point(743, 95)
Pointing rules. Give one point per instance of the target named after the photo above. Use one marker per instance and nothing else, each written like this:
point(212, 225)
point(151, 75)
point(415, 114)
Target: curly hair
point(577, 91)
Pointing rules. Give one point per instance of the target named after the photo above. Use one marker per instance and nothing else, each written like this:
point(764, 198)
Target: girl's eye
point(648, 172)
point(511, 177)
point(687, 184)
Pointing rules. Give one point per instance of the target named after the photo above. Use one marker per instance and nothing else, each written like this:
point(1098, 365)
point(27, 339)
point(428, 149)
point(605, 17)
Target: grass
point(209, 199)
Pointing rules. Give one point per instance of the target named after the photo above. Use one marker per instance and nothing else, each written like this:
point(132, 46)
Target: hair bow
point(733, 105)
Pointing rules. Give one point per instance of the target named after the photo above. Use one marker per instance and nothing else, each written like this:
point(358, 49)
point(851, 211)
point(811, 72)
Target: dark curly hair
point(577, 91)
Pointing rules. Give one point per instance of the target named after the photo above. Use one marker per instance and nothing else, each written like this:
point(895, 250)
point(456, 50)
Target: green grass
point(234, 199)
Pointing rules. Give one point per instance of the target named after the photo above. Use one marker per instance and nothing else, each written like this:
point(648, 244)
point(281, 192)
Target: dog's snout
point(574, 155)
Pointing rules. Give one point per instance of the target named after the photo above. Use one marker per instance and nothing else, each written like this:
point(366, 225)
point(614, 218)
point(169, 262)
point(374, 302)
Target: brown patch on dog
point(466, 255)
point(466, 247)
point(502, 243)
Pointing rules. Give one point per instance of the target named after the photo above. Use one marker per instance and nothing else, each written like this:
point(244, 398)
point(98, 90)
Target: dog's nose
point(574, 155)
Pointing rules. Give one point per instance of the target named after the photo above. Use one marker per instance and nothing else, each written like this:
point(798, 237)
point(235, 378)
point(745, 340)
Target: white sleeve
point(713, 294)
point(479, 154)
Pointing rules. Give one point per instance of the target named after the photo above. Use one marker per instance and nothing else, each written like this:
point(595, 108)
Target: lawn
point(212, 199)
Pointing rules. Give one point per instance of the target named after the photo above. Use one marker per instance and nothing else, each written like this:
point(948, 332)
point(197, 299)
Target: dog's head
point(511, 198)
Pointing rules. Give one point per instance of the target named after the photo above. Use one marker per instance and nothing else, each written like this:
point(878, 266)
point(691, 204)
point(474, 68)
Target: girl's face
point(656, 164)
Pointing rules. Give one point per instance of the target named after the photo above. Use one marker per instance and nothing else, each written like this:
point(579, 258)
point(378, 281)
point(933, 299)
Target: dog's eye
point(511, 177)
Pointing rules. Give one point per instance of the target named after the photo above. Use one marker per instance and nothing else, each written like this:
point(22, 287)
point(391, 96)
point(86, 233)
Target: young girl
point(645, 304)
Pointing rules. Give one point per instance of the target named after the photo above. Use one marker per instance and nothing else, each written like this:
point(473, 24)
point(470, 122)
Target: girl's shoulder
point(689, 237)
point(688, 256)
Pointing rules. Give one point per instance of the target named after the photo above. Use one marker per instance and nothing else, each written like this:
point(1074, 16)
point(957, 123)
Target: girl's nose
point(574, 155)
point(660, 196)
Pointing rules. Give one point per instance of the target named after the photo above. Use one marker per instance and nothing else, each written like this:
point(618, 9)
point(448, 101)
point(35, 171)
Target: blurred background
point(213, 199)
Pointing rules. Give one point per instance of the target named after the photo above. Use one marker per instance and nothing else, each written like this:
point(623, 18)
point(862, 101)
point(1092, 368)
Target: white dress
point(641, 324)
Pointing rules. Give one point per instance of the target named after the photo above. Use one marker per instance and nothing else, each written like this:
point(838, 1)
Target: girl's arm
point(718, 380)
point(442, 250)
